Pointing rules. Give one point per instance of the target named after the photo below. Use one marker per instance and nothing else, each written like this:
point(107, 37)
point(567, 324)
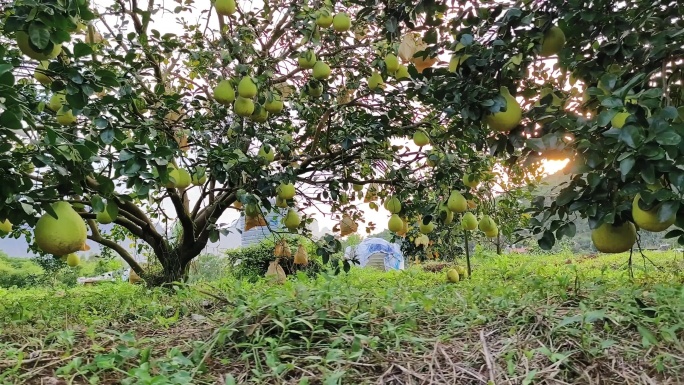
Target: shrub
point(252, 262)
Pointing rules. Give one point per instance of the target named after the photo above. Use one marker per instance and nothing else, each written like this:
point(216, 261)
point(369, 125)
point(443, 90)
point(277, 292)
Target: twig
point(488, 357)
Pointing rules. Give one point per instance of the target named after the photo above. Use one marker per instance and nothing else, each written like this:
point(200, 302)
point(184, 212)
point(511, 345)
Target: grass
point(519, 320)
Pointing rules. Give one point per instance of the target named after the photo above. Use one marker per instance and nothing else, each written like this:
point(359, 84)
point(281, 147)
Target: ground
point(520, 320)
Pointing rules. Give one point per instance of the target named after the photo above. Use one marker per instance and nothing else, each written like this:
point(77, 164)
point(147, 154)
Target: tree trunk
point(498, 243)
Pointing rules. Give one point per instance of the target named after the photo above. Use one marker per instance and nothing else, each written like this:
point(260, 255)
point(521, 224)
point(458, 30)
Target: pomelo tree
point(138, 123)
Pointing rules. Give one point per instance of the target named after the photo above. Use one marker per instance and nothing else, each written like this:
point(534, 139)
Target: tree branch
point(97, 237)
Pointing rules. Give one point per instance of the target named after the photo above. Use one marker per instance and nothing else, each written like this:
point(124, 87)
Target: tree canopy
point(141, 114)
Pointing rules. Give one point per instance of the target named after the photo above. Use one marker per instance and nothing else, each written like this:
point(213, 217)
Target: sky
point(165, 22)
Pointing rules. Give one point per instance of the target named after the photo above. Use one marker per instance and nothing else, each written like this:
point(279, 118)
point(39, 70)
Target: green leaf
point(107, 136)
point(612, 102)
point(667, 210)
point(82, 49)
point(668, 138)
point(547, 240)
point(39, 35)
point(647, 338)
point(97, 203)
point(626, 165)
point(673, 234)
point(565, 197)
point(10, 120)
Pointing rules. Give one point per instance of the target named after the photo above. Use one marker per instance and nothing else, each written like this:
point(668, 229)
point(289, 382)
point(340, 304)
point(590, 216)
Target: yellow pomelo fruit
point(456, 61)
point(375, 81)
point(391, 63)
point(341, 22)
point(274, 105)
point(648, 219)
point(5, 227)
point(486, 224)
point(552, 42)
point(292, 220)
point(324, 19)
point(199, 177)
point(321, 70)
point(504, 121)
point(179, 178)
point(225, 7)
point(470, 180)
point(608, 238)
point(39, 73)
point(462, 272)
point(224, 93)
point(280, 202)
point(260, 115)
point(62, 235)
point(286, 191)
point(469, 222)
point(402, 73)
point(456, 202)
point(307, 59)
point(446, 215)
point(492, 233)
point(56, 101)
point(395, 224)
point(267, 156)
point(453, 276)
point(619, 119)
point(243, 107)
point(247, 88)
point(314, 89)
point(27, 48)
point(103, 218)
point(426, 228)
point(65, 117)
point(421, 139)
point(393, 205)
point(73, 260)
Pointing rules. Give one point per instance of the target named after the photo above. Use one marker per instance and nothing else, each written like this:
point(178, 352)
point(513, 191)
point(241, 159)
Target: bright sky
point(166, 23)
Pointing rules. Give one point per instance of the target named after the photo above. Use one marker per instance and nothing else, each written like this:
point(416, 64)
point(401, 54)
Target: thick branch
point(97, 237)
point(183, 217)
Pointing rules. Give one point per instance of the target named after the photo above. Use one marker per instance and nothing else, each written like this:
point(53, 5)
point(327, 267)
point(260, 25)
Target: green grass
point(519, 320)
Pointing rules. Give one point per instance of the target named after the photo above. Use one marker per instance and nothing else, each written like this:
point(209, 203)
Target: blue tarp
point(394, 259)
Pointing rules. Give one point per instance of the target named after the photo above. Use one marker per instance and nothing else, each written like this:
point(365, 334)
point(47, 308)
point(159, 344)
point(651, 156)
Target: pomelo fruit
point(420, 138)
point(469, 221)
point(552, 42)
point(341, 22)
point(247, 88)
point(486, 224)
point(199, 177)
point(65, 117)
point(375, 81)
point(504, 121)
point(28, 49)
point(224, 93)
point(56, 101)
point(609, 238)
point(39, 73)
point(243, 107)
point(286, 191)
point(321, 70)
point(274, 104)
point(292, 220)
point(619, 119)
point(307, 59)
point(325, 18)
point(260, 115)
point(267, 155)
point(470, 180)
point(456, 202)
point(402, 73)
point(391, 63)
point(453, 276)
point(395, 224)
point(648, 219)
point(225, 7)
point(5, 227)
point(73, 260)
point(393, 205)
point(62, 235)
point(426, 228)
